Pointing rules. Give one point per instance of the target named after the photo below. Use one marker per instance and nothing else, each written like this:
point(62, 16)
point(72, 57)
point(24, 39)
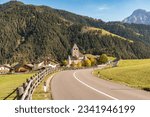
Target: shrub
point(103, 59)
point(87, 63)
point(79, 65)
point(65, 63)
point(93, 61)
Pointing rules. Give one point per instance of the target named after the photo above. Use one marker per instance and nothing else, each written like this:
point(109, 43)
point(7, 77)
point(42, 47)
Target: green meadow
point(8, 83)
point(134, 73)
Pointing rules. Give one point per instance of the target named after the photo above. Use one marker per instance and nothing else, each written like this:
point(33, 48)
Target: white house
point(52, 66)
point(4, 69)
point(38, 66)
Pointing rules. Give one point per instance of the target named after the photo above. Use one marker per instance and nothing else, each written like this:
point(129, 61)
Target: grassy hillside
point(135, 32)
point(134, 73)
point(103, 32)
point(10, 82)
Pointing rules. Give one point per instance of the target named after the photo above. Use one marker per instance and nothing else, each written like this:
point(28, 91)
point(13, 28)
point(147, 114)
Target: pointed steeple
point(75, 51)
point(75, 46)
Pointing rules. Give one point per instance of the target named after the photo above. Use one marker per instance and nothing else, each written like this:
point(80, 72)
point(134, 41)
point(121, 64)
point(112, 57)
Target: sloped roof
point(75, 46)
point(29, 65)
point(5, 66)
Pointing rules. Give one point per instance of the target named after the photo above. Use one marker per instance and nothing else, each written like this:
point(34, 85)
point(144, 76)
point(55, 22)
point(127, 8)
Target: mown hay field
point(134, 73)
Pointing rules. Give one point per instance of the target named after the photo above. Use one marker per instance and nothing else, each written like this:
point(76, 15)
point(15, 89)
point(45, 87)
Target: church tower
point(75, 51)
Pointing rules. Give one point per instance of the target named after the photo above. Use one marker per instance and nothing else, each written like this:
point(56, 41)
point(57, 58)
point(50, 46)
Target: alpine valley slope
point(33, 33)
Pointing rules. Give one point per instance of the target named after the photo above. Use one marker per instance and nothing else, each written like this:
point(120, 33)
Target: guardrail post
point(20, 92)
point(27, 80)
point(31, 83)
point(24, 85)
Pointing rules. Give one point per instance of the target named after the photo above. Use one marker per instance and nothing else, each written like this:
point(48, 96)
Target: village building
point(76, 56)
point(39, 66)
point(50, 63)
point(4, 69)
point(22, 68)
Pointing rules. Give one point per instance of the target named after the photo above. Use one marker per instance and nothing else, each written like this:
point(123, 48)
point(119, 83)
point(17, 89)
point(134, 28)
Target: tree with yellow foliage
point(73, 64)
point(79, 65)
point(65, 63)
point(103, 59)
point(87, 63)
point(93, 61)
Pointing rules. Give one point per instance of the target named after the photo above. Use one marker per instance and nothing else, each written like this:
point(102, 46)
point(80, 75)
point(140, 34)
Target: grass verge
point(134, 73)
point(39, 93)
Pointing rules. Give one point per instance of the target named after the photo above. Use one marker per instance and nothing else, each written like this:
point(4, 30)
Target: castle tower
point(75, 51)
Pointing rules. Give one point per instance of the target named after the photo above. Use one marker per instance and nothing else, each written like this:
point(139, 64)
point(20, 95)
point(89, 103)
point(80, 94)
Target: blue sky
point(107, 10)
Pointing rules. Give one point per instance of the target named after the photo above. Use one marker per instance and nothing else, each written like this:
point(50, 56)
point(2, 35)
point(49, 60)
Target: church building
point(76, 56)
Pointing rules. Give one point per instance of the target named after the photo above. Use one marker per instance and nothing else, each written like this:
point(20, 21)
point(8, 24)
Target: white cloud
point(103, 7)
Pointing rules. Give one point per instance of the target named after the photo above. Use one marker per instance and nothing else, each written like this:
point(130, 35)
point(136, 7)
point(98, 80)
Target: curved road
point(82, 85)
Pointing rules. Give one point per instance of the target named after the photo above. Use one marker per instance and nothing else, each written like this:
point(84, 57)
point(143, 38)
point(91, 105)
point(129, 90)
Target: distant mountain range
point(33, 33)
point(139, 16)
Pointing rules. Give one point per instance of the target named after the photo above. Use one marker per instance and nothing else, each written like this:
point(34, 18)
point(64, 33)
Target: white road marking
point(74, 74)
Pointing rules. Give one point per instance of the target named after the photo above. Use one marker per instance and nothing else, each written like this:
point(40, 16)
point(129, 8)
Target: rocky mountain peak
point(139, 16)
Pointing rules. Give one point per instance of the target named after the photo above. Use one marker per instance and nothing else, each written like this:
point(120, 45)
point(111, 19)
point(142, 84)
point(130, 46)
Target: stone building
point(76, 56)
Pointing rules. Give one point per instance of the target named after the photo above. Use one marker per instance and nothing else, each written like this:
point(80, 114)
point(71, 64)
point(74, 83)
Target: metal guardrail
point(25, 91)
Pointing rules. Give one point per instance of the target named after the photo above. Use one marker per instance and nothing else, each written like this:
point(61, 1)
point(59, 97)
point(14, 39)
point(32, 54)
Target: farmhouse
point(38, 66)
point(22, 68)
point(4, 69)
point(76, 56)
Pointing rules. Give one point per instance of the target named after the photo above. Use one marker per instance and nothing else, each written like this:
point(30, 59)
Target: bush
point(93, 61)
point(73, 64)
point(103, 59)
point(87, 63)
point(65, 63)
point(79, 65)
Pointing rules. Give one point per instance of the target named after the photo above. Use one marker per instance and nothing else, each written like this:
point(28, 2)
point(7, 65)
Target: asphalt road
point(82, 85)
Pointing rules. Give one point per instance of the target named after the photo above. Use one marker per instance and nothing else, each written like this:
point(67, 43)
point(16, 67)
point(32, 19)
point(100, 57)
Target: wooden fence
point(10, 94)
point(25, 91)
